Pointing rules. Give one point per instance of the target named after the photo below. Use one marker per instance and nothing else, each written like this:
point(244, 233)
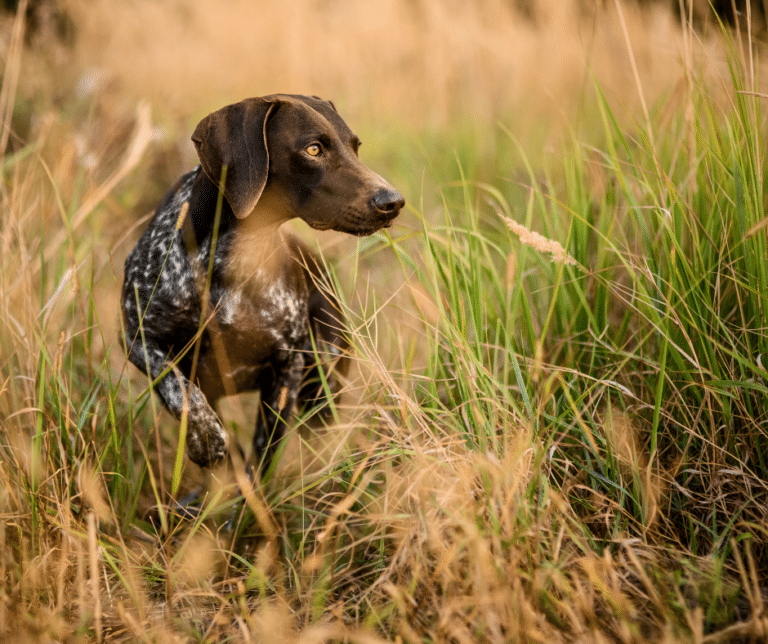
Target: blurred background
point(414, 65)
point(419, 61)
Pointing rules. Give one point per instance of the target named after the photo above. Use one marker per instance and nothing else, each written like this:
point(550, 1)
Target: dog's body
point(275, 158)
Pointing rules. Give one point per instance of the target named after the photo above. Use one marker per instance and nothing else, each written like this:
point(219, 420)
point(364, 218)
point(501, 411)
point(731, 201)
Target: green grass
point(527, 450)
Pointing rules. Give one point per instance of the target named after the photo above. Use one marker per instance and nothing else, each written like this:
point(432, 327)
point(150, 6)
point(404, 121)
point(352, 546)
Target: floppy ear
point(236, 137)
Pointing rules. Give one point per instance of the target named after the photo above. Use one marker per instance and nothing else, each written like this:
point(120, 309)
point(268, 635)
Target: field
point(555, 428)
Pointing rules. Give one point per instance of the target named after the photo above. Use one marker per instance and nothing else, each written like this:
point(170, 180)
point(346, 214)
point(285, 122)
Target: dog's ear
point(324, 101)
point(236, 137)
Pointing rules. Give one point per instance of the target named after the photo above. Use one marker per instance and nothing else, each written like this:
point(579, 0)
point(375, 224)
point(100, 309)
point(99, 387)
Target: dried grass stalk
point(539, 242)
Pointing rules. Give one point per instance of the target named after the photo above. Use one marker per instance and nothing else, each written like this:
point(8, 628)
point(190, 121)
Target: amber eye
point(313, 150)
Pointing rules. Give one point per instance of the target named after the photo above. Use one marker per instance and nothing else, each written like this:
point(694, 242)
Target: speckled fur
point(160, 296)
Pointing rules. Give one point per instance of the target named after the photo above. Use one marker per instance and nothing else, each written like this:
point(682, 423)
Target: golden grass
point(423, 63)
point(389, 526)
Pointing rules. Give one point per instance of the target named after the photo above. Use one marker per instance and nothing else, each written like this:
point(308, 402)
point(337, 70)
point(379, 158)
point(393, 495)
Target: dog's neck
point(255, 248)
point(258, 251)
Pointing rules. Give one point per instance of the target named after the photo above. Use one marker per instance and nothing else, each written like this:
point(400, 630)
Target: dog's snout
point(388, 201)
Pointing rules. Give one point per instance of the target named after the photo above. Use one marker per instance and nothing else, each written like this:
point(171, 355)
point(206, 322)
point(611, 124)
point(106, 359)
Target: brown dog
point(217, 299)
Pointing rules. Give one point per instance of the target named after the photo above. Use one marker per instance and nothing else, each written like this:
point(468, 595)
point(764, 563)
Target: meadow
point(555, 428)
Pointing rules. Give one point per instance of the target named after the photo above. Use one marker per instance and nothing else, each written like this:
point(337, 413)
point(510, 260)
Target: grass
point(528, 449)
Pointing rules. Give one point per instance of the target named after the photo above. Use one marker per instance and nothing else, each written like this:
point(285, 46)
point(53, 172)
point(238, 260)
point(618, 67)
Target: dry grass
point(496, 473)
point(423, 63)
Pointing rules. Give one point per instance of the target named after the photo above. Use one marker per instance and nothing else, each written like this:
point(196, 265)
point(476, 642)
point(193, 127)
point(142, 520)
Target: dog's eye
point(313, 150)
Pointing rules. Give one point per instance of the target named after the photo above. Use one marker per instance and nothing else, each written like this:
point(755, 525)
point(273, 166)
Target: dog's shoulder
point(167, 213)
point(163, 226)
point(158, 277)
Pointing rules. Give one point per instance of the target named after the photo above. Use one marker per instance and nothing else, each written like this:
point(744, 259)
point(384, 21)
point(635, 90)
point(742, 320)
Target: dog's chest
point(266, 319)
point(262, 321)
point(254, 332)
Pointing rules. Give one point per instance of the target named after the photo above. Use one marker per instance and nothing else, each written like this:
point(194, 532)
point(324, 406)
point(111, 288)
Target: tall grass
point(436, 65)
point(528, 449)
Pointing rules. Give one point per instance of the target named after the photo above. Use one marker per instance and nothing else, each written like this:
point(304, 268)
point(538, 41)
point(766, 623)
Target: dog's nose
point(388, 202)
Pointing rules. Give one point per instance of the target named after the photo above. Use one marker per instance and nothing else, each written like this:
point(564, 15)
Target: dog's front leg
point(206, 438)
point(278, 397)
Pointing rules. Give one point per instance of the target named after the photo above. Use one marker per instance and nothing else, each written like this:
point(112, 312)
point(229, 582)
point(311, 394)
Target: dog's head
point(297, 154)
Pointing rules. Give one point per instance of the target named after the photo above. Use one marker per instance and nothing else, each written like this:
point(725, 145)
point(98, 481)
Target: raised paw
point(207, 441)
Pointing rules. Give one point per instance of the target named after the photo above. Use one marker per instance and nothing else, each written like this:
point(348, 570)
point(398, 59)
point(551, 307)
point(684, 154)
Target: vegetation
point(555, 430)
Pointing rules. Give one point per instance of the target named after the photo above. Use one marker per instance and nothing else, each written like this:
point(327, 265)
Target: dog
point(217, 299)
